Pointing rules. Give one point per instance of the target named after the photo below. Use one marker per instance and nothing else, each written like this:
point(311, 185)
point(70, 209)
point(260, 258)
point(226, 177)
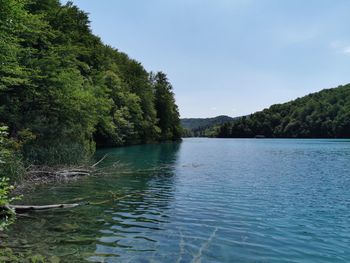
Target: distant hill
point(324, 114)
point(195, 123)
point(197, 126)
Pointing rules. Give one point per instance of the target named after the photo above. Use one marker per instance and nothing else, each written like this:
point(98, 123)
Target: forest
point(202, 127)
point(324, 114)
point(63, 92)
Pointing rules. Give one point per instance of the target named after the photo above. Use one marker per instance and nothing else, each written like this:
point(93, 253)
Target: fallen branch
point(104, 157)
point(40, 175)
point(72, 173)
point(26, 208)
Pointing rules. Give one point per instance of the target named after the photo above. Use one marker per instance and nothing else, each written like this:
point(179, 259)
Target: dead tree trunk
point(26, 208)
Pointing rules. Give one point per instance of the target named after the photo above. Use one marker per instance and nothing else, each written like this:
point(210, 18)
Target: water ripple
point(208, 201)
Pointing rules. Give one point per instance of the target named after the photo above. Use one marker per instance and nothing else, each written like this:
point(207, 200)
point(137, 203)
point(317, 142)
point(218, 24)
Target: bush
point(58, 153)
point(7, 215)
point(10, 167)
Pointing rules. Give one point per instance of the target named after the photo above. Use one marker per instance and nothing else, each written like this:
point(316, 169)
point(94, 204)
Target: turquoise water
point(202, 200)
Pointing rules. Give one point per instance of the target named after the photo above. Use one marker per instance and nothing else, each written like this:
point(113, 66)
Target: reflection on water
point(138, 221)
point(125, 205)
point(204, 200)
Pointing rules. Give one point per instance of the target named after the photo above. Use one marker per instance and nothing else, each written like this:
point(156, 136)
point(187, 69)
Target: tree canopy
point(202, 127)
point(325, 114)
point(62, 91)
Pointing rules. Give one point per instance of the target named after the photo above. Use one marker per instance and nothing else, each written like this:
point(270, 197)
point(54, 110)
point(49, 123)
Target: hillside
point(197, 126)
point(63, 91)
point(195, 123)
point(324, 114)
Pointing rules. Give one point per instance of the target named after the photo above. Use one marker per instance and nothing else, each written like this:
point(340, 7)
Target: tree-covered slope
point(198, 126)
point(195, 123)
point(325, 114)
point(62, 91)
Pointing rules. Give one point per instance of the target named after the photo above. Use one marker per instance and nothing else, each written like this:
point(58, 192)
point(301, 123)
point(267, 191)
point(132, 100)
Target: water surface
point(202, 200)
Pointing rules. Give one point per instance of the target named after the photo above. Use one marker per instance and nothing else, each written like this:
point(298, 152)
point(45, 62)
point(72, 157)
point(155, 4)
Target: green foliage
point(187, 133)
point(7, 216)
point(7, 256)
point(5, 189)
point(12, 18)
point(325, 114)
point(67, 91)
point(167, 111)
point(203, 127)
point(10, 167)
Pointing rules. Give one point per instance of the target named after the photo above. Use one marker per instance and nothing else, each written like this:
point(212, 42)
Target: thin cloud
point(340, 47)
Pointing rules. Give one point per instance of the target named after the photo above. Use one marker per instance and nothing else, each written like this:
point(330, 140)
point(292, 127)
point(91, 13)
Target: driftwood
point(39, 175)
point(26, 208)
point(60, 173)
point(104, 157)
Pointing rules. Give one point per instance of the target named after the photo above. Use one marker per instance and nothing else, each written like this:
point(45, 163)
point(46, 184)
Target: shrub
point(10, 167)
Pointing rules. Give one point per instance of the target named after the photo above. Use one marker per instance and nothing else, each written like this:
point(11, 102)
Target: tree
point(67, 91)
point(167, 111)
point(325, 114)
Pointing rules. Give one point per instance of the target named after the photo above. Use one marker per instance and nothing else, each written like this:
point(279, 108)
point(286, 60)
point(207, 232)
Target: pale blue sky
point(231, 57)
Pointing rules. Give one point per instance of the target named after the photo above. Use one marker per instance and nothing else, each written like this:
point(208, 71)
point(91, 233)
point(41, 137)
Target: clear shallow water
point(204, 200)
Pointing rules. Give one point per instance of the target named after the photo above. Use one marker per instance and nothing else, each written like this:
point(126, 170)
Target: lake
point(202, 200)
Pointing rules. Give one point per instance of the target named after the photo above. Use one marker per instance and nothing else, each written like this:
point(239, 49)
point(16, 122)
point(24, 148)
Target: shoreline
point(43, 175)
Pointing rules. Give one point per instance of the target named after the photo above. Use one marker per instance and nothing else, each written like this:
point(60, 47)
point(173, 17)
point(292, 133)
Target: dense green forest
point(198, 127)
point(325, 114)
point(63, 92)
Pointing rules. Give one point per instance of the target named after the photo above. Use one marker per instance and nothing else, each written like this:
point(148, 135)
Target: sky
point(231, 57)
